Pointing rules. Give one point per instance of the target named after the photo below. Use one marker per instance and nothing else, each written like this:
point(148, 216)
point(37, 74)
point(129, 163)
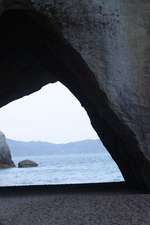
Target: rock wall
point(112, 82)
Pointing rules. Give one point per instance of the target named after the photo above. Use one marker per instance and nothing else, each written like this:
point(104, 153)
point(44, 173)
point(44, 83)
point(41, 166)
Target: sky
point(51, 114)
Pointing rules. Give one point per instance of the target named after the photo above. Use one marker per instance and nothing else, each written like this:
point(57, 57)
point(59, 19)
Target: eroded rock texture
point(103, 60)
point(5, 154)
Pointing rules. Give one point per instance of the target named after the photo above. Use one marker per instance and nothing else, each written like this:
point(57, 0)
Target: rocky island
point(27, 163)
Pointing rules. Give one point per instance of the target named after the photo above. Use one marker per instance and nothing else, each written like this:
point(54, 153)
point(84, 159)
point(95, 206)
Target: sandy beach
point(106, 204)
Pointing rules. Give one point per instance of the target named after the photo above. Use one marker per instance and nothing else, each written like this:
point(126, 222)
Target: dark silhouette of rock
point(27, 163)
point(5, 154)
point(96, 54)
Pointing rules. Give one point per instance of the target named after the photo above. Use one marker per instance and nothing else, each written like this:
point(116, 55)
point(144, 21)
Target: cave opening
point(50, 128)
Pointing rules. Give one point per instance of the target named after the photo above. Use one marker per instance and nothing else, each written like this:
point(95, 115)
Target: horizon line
point(33, 141)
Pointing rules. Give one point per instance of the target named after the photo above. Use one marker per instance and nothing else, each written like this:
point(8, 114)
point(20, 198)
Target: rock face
point(5, 154)
point(104, 60)
point(27, 163)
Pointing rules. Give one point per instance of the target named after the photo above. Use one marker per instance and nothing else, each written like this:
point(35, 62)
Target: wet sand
point(104, 204)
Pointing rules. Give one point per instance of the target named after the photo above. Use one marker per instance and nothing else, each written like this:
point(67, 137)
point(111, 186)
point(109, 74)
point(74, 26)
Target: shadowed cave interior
point(32, 56)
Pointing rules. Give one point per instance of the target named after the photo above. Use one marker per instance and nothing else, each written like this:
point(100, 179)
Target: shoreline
point(106, 187)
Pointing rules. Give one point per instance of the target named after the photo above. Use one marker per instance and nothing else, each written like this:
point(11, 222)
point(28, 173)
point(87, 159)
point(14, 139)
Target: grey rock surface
point(5, 154)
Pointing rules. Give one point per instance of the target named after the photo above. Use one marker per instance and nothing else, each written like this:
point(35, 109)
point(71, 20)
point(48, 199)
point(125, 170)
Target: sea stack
point(5, 154)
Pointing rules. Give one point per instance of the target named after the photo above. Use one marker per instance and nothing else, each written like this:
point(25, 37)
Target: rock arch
point(33, 52)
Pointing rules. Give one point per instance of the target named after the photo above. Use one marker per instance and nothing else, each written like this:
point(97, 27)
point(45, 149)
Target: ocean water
point(63, 169)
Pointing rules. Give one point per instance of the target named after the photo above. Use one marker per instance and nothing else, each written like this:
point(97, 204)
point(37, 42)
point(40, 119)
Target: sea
point(63, 169)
